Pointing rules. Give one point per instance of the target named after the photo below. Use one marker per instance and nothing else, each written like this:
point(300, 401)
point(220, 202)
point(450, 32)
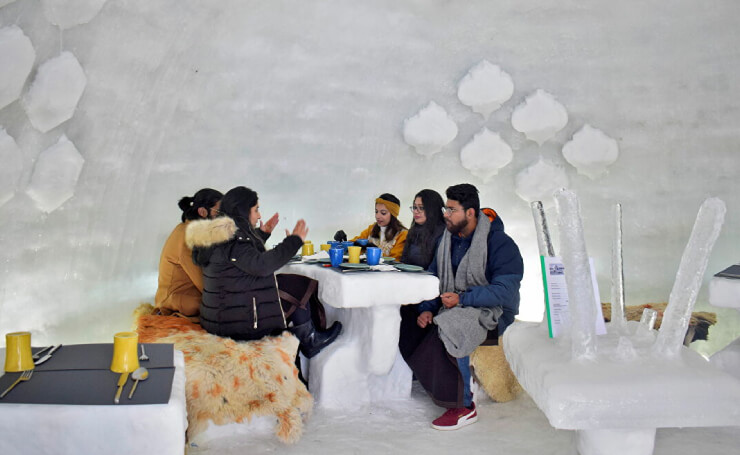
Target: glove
point(340, 236)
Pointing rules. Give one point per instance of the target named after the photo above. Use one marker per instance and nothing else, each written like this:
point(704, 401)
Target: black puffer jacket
point(240, 295)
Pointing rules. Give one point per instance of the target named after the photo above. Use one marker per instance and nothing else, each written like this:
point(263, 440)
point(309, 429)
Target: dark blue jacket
point(504, 271)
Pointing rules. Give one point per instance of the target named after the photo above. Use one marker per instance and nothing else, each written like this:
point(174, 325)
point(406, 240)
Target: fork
point(143, 355)
point(25, 376)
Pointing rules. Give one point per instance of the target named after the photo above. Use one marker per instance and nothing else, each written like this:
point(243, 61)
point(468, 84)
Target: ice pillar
point(689, 278)
point(581, 303)
point(543, 233)
point(617, 271)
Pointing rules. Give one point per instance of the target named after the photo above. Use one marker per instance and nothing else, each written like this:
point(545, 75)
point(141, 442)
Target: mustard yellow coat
point(392, 247)
point(180, 280)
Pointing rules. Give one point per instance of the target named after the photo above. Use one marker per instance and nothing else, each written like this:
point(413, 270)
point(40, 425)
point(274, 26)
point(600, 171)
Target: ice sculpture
point(689, 277)
point(538, 181)
point(55, 175)
point(69, 13)
point(617, 317)
point(485, 154)
point(591, 151)
point(577, 276)
point(17, 56)
point(539, 117)
point(55, 92)
point(544, 243)
point(10, 171)
point(485, 88)
point(429, 130)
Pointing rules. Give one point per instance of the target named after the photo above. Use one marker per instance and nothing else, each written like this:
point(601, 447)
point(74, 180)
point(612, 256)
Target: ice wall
point(305, 102)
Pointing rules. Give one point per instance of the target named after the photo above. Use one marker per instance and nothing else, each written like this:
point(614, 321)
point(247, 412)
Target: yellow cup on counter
point(307, 249)
point(18, 356)
point(354, 254)
point(325, 247)
point(125, 352)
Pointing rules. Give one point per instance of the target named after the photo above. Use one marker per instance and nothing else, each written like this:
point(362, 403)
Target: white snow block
point(55, 92)
point(539, 181)
point(17, 57)
point(485, 88)
point(591, 152)
point(69, 13)
point(55, 175)
point(12, 166)
point(539, 117)
point(429, 130)
point(485, 154)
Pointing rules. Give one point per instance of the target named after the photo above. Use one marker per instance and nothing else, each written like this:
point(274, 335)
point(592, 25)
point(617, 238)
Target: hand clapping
point(300, 229)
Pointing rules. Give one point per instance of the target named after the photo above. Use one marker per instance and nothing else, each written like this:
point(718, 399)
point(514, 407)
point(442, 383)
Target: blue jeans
point(463, 364)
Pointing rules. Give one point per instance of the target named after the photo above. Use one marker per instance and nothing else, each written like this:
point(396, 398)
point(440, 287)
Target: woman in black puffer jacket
point(241, 299)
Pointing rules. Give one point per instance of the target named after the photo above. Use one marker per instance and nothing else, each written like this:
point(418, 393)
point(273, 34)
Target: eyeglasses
point(417, 208)
point(449, 210)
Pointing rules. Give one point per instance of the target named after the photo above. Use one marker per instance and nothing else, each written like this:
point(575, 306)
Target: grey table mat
point(83, 377)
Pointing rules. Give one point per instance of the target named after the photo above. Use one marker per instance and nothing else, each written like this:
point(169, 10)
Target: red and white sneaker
point(456, 418)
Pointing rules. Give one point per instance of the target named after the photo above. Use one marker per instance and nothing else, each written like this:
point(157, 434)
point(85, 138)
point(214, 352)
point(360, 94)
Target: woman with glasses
point(180, 280)
point(387, 233)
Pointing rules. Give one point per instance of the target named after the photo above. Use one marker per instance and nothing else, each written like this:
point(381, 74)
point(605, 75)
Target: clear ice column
point(617, 319)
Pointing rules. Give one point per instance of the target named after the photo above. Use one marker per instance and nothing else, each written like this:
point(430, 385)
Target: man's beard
point(456, 228)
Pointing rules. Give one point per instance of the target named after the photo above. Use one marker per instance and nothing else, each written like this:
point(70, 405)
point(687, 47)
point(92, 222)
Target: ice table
point(617, 402)
point(725, 292)
point(110, 430)
point(363, 365)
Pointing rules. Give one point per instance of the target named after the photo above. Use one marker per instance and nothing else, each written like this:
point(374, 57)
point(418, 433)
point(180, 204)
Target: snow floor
point(516, 427)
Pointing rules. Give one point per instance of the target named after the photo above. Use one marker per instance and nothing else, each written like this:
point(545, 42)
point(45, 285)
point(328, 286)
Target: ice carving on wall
point(12, 165)
point(429, 130)
point(539, 181)
point(539, 117)
point(485, 154)
point(591, 151)
point(17, 57)
point(69, 13)
point(485, 88)
point(53, 96)
point(55, 175)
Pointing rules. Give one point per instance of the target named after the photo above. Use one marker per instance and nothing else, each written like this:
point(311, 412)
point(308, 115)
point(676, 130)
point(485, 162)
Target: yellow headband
point(392, 207)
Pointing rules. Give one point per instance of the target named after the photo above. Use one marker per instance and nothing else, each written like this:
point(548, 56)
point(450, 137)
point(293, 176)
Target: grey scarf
point(464, 329)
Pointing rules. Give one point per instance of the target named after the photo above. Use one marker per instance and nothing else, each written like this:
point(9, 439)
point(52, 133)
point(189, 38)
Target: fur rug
point(493, 373)
point(229, 381)
point(698, 324)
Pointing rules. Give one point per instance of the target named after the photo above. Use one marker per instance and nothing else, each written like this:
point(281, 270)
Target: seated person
point(480, 270)
point(241, 296)
point(180, 280)
point(387, 233)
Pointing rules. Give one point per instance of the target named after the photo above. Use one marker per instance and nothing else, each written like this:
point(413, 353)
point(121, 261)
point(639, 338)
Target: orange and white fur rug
point(232, 382)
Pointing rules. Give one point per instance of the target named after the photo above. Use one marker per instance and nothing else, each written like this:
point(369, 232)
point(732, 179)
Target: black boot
point(313, 341)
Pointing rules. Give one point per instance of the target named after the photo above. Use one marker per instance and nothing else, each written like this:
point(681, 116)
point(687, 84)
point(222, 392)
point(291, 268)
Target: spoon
point(139, 374)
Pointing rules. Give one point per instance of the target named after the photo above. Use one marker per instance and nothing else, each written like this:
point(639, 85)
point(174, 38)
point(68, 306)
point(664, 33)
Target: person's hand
point(424, 319)
point(450, 299)
point(270, 225)
point(340, 236)
point(300, 229)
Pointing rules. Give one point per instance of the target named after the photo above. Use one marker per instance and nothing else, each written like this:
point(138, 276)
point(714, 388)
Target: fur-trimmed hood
point(206, 233)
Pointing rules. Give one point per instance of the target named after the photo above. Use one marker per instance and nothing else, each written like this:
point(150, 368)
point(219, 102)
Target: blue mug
point(361, 242)
point(336, 255)
point(373, 255)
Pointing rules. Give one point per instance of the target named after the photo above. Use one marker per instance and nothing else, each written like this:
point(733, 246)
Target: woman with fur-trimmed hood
point(241, 297)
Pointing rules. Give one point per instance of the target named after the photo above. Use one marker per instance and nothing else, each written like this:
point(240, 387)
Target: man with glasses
point(479, 268)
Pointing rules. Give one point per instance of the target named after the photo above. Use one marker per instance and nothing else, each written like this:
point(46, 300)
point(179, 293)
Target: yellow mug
point(325, 247)
point(307, 249)
point(125, 352)
point(18, 356)
point(354, 254)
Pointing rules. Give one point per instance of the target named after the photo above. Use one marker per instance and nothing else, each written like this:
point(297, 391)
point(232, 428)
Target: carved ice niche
point(69, 13)
point(591, 151)
point(10, 171)
point(539, 181)
point(485, 154)
point(485, 88)
point(55, 175)
point(17, 57)
point(539, 117)
point(429, 130)
point(55, 92)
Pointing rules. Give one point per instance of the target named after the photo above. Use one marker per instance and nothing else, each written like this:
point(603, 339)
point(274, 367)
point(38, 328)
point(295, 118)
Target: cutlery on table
point(121, 382)
point(143, 355)
point(37, 355)
point(47, 356)
point(140, 374)
point(25, 376)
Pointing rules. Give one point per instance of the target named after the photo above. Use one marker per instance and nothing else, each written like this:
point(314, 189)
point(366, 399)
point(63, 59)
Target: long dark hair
point(425, 234)
point(394, 225)
point(205, 198)
point(237, 204)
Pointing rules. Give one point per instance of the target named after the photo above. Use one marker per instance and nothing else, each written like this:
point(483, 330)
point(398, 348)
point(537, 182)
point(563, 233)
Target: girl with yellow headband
point(387, 233)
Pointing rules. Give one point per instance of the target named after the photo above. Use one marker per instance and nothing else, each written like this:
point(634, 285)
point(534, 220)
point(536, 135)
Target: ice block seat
point(625, 394)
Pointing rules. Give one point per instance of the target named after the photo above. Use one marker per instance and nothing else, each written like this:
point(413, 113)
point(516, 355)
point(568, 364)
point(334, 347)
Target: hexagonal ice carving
point(539, 117)
point(485, 154)
point(11, 168)
point(539, 181)
point(68, 13)
point(55, 175)
point(485, 88)
point(429, 130)
point(53, 96)
point(591, 151)
point(17, 57)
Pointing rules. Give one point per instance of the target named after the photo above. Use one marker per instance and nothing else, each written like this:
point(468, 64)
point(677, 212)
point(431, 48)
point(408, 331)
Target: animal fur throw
point(493, 373)
point(698, 324)
point(229, 381)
